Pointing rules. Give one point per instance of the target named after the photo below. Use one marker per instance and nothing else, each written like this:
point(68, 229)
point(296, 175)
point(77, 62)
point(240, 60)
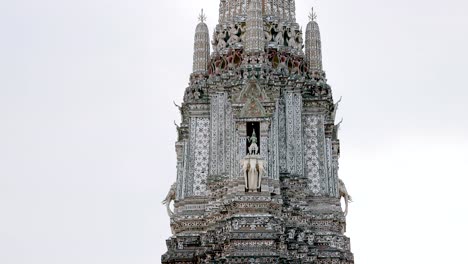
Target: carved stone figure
point(300, 237)
point(290, 37)
point(171, 195)
point(344, 194)
point(299, 40)
point(233, 35)
point(245, 169)
point(267, 30)
point(235, 225)
point(253, 149)
point(221, 40)
point(279, 38)
point(253, 175)
point(253, 168)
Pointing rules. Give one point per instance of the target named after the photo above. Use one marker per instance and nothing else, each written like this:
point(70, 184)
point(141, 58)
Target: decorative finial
point(312, 15)
point(202, 17)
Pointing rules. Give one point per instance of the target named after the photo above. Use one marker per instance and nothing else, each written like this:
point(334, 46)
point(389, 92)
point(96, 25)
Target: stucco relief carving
point(344, 194)
point(171, 195)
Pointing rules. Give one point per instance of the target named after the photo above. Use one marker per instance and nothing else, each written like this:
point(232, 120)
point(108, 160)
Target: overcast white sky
point(87, 135)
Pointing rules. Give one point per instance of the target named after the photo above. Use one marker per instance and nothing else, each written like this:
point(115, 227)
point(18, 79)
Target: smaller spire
point(202, 17)
point(312, 15)
point(201, 53)
point(313, 47)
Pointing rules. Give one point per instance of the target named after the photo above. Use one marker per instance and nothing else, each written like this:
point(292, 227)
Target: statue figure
point(253, 175)
point(221, 42)
point(253, 169)
point(267, 32)
point(279, 38)
point(300, 237)
point(299, 40)
point(291, 234)
point(235, 225)
point(233, 35)
point(243, 29)
point(344, 194)
point(283, 63)
point(296, 63)
point(245, 168)
point(231, 59)
point(253, 149)
point(290, 38)
point(171, 195)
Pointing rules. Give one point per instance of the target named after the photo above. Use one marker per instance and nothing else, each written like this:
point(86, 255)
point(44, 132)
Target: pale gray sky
point(87, 135)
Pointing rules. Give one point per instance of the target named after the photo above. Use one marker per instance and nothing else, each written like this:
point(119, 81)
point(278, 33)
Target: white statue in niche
point(253, 175)
point(171, 195)
point(344, 194)
point(253, 167)
point(253, 149)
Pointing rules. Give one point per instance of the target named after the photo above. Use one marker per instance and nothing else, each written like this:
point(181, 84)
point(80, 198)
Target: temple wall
point(294, 143)
point(315, 153)
point(195, 182)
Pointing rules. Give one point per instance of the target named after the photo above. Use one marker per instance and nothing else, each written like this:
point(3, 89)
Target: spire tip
point(312, 15)
point(202, 17)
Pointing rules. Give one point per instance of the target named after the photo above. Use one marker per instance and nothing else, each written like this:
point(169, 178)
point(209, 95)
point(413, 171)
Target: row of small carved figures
point(274, 59)
point(277, 33)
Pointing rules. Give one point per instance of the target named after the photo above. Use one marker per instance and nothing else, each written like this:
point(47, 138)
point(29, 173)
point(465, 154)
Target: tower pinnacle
point(202, 17)
point(201, 53)
point(313, 48)
point(312, 15)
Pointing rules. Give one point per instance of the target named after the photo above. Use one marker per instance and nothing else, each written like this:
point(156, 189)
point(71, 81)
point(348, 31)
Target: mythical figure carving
point(279, 30)
point(310, 239)
point(299, 40)
point(253, 149)
point(171, 195)
point(219, 40)
point(344, 194)
point(253, 168)
point(253, 175)
point(267, 30)
point(233, 35)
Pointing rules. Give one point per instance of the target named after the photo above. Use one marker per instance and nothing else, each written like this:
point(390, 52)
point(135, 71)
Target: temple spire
point(201, 53)
point(255, 39)
point(313, 47)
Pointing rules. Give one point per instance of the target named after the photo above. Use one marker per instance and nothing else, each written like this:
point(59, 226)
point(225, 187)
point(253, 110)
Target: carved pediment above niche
point(253, 108)
point(252, 90)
